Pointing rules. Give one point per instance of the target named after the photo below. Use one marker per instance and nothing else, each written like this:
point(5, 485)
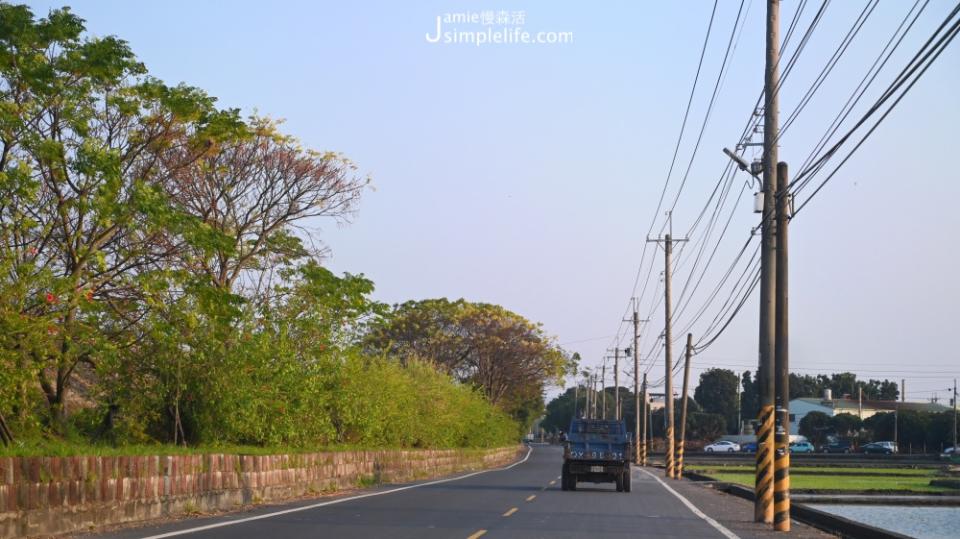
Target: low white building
point(862, 409)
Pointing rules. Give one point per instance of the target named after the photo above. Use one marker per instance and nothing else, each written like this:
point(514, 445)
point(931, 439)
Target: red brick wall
point(49, 495)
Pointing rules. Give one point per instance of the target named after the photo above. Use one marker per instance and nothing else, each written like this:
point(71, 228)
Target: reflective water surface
point(920, 522)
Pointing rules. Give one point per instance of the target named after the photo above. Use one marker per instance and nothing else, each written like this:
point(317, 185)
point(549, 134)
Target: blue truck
point(596, 451)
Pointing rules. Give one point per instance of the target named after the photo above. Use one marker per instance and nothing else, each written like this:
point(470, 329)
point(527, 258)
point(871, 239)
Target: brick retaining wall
point(51, 495)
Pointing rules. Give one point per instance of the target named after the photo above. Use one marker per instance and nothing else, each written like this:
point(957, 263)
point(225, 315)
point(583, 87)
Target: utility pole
point(643, 425)
point(903, 390)
point(678, 472)
point(954, 416)
point(668, 350)
point(586, 409)
point(739, 407)
point(781, 465)
point(603, 390)
point(637, 412)
point(763, 487)
point(576, 398)
point(616, 383)
point(594, 385)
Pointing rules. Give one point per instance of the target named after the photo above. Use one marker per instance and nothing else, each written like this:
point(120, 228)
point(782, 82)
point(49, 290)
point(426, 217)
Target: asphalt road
point(524, 500)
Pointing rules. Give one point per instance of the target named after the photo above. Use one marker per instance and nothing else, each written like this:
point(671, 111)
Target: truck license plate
point(596, 469)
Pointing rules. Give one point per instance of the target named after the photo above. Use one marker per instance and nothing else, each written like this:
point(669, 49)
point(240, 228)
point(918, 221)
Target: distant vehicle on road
point(749, 447)
point(883, 448)
point(722, 446)
point(801, 447)
point(950, 453)
point(596, 451)
point(838, 446)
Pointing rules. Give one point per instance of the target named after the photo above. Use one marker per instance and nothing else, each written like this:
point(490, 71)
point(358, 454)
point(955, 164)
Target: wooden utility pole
point(763, 487)
point(678, 472)
point(668, 350)
point(781, 465)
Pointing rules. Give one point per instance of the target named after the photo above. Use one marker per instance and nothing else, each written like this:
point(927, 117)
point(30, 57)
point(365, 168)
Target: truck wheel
point(619, 480)
point(565, 477)
point(626, 481)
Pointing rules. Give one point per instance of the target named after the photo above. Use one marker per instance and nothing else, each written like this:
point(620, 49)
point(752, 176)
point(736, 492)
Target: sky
point(528, 174)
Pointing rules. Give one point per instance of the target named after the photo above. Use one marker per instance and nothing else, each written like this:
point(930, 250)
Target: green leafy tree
point(846, 425)
point(508, 357)
point(816, 426)
point(81, 127)
point(717, 394)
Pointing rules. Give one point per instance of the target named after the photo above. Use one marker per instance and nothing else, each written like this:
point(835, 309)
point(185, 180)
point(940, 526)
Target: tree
point(254, 190)
point(717, 394)
point(703, 426)
point(509, 358)
point(846, 425)
point(749, 398)
point(81, 216)
point(815, 426)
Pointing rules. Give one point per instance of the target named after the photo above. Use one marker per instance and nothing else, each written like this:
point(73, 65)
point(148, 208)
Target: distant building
point(831, 407)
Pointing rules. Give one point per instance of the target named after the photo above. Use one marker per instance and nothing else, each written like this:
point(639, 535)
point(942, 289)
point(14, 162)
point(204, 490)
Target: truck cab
point(596, 451)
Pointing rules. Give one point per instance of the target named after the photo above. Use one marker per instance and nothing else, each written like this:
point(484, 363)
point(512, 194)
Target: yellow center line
point(510, 512)
point(478, 534)
point(531, 497)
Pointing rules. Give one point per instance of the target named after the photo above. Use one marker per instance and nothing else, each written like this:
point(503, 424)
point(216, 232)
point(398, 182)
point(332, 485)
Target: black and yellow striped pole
point(781, 466)
point(781, 478)
point(643, 423)
point(763, 486)
point(678, 470)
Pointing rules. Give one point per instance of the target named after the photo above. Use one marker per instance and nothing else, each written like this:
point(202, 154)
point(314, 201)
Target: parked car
point(749, 447)
point(801, 447)
point(949, 452)
point(837, 446)
point(883, 448)
point(723, 446)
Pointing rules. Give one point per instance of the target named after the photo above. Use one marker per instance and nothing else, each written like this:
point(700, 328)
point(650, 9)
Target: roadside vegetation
point(163, 283)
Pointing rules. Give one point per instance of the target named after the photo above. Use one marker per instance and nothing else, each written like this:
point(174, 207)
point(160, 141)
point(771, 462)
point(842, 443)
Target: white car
point(723, 446)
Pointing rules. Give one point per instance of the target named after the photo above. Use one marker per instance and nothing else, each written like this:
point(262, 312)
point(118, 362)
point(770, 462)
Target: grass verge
point(918, 480)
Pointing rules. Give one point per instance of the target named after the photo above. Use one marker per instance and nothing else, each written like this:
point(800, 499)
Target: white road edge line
point(720, 528)
point(332, 502)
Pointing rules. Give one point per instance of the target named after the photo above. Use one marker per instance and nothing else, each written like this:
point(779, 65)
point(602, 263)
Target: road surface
point(523, 500)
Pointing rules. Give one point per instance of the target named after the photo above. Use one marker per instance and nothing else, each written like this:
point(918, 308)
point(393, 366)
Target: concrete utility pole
point(603, 389)
point(781, 465)
point(643, 425)
point(678, 471)
point(637, 412)
point(668, 350)
point(576, 398)
point(616, 384)
point(903, 390)
point(954, 416)
point(587, 413)
point(763, 487)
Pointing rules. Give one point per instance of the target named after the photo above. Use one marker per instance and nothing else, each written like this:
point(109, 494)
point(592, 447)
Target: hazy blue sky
point(528, 175)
